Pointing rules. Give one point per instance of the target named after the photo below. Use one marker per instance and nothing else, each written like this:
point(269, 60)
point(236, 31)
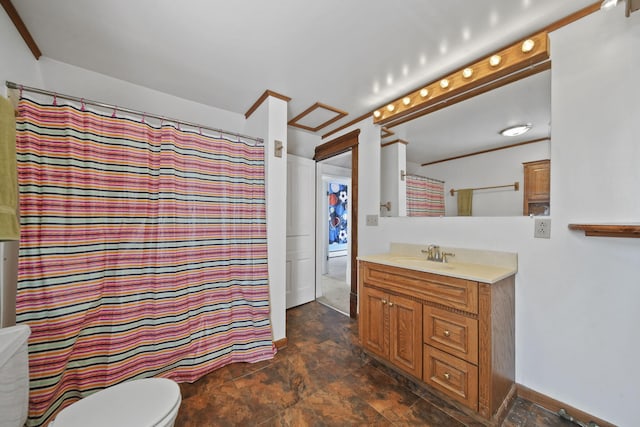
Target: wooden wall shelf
point(608, 230)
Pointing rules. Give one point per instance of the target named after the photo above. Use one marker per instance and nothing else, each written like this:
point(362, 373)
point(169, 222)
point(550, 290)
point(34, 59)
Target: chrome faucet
point(434, 254)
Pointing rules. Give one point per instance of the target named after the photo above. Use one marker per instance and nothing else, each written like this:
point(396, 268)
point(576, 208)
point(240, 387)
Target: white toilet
point(14, 376)
point(138, 403)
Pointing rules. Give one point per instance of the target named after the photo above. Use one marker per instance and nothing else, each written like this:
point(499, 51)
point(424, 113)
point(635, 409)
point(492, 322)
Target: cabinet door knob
point(390, 304)
point(384, 301)
point(447, 375)
point(447, 333)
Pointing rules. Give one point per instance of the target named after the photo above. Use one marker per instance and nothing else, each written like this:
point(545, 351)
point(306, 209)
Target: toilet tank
point(14, 375)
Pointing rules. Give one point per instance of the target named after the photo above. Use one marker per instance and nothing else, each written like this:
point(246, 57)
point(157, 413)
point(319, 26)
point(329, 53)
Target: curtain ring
point(199, 130)
point(55, 99)
point(82, 105)
point(144, 115)
point(21, 88)
point(115, 110)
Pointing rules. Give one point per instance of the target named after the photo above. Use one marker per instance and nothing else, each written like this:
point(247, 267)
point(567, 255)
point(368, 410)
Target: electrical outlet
point(542, 228)
point(372, 220)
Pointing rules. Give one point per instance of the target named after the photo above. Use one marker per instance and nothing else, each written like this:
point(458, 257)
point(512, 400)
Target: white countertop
point(477, 265)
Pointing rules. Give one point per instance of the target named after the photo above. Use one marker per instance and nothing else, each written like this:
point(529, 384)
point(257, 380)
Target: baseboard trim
point(554, 406)
point(507, 403)
point(280, 344)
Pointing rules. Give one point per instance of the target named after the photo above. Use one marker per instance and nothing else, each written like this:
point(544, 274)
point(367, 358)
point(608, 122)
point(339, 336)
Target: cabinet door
point(405, 334)
point(374, 335)
point(536, 184)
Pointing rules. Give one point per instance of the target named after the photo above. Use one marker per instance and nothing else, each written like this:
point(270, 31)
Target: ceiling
point(351, 55)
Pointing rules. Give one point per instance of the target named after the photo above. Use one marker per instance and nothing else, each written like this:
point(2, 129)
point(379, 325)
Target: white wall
point(576, 297)
point(18, 64)
point(393, 160)
point(302, 143)
point(270, 121)
point(486, 170)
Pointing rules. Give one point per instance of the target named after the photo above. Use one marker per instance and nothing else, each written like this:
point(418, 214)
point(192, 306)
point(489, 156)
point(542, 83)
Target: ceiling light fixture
point(528, 45)
point(516, 130)
point(609, 4)
point(520, 56)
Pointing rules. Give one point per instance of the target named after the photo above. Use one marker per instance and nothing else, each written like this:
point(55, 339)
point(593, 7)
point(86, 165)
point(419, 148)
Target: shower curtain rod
point(12, 85)
point(403, 175)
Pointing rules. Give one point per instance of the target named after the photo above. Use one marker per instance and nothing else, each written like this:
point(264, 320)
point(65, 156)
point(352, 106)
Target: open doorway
point(333, 231)
point(347, 143)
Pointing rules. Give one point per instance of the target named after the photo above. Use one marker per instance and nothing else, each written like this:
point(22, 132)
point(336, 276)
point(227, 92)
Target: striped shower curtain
point(425, 196)
point(142, 253)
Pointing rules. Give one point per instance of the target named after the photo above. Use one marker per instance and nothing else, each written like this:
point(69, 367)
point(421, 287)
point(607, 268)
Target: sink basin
point(407, 258)
point(416, 262)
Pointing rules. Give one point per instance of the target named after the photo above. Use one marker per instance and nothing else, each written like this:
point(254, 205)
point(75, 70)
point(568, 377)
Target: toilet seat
point(139, 403)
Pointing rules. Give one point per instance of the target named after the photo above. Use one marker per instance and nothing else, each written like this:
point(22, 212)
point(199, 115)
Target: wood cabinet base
point(453, 335)
point(418, 386)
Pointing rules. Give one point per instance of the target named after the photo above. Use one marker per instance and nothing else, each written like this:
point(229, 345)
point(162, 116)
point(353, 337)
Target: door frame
point(342, 144)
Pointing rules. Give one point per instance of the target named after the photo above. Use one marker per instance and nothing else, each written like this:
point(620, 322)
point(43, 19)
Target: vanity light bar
point(516, 57)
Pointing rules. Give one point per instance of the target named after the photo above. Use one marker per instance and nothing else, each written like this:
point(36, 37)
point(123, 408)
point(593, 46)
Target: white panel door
point(300, 230)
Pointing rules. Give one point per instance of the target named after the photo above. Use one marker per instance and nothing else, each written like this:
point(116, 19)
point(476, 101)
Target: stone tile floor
point(323, 379)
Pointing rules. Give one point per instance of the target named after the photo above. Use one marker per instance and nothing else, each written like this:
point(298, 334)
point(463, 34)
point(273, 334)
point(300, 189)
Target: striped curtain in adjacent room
point(142, 252)
point(425, 196)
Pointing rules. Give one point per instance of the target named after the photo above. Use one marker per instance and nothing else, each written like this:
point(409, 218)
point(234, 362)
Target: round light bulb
point(391, 107)
point(444, 83)
point(467, 72)
point(377, 114)
point(528, 45)
point(495, 60)
point(424, 93)
point(406, 100)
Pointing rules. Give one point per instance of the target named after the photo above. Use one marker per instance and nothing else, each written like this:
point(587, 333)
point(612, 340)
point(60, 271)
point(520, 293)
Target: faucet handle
point(445, 255)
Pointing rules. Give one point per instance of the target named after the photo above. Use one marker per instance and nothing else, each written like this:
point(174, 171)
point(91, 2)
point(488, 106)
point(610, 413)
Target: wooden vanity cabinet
point(392, 329)
point(456, 336)
point(537, 187)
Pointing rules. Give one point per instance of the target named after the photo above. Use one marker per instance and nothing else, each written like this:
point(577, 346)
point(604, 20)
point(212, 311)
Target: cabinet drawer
point(451, 332)
point(450, 291)
point(452, 376)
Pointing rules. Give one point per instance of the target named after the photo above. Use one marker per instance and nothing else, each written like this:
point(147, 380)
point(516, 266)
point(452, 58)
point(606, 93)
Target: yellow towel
point(465, 202)
point(9, 225)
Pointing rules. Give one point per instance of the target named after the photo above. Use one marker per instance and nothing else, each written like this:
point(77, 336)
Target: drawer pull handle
point(384, 301)
point(447, 375)
point(447, 333)
point(390, 304)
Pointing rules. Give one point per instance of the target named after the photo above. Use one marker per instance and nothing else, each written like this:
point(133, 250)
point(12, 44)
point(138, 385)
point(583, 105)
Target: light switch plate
point(372, 220)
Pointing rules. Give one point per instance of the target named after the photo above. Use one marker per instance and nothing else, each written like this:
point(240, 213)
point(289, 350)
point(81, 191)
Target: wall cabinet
point(537, 187)
point(454, 335)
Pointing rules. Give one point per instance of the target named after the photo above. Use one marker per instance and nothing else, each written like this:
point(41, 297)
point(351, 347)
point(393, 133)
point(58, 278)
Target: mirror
point(460, 146)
